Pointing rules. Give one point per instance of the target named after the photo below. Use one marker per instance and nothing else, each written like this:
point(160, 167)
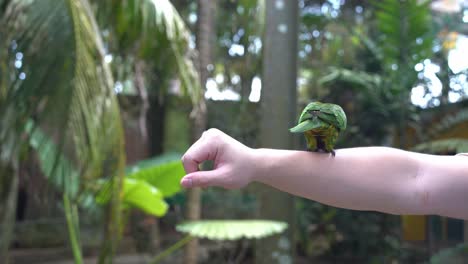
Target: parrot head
point(316, 114)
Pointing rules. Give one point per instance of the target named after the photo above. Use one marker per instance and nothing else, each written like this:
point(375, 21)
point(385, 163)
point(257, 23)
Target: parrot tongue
point(303, 126)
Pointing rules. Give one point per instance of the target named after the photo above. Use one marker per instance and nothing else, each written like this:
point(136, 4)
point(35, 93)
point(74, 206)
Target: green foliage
point(357, 78)
point(231, 229)
point(165, 176)
point(445, 145)
point(223, 230)
point(142, 195)
point(69, 91)
point(58, 170)
point(404, 31)
point(455, 255)
point(327, 231)
point(449, 122)
point(144, 187)
point(449, 145)
point(148, 182)
point(154, 32)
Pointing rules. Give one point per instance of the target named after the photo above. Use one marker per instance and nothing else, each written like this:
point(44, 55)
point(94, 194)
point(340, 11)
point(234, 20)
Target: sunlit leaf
point(140, 194)
point(232, 229)
point(165, 177)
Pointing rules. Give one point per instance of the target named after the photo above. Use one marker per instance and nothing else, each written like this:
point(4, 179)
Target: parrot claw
point(333, 152)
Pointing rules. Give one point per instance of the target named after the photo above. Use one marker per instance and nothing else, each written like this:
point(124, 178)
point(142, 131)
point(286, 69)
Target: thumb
point(202, 179)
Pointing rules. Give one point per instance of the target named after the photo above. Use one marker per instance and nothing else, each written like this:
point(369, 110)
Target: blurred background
point(99, 100)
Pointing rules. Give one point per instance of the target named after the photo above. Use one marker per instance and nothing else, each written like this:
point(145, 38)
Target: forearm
point(374, 178)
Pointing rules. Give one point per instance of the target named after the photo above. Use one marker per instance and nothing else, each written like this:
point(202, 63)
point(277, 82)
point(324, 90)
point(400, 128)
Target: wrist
point(261, 161)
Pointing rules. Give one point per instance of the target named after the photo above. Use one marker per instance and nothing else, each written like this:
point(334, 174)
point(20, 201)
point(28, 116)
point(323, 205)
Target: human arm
point(369, 178)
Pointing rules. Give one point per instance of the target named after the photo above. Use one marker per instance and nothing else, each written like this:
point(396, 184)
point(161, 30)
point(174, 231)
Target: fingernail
point(186, 182)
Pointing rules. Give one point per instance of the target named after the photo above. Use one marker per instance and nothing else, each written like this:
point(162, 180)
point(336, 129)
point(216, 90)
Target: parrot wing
point(306, 126)
point(334, 115)
point(334, 120)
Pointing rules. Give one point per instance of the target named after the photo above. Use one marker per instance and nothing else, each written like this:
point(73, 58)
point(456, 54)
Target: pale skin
point(380, 179)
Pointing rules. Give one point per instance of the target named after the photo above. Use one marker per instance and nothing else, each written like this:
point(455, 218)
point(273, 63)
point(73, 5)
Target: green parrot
point(321, 123)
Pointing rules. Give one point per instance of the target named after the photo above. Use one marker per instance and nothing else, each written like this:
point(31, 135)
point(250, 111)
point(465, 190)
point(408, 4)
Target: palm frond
point(58, 170)
point(405, 30)
point(356, 78)
point(66, 86)
point(451, 145)
point(450, 121)
point(157, 31)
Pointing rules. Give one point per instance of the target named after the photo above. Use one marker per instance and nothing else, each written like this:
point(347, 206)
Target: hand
point(234, 165)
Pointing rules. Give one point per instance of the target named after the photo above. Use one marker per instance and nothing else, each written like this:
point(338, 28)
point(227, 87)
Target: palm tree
point(53, 78)
point(64, 87)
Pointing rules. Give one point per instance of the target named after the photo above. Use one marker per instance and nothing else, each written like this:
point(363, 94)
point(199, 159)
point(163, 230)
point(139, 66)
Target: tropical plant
point(148, 182)
point(402, 38)
point(69, 92)
point(144, 30)
point(145, 185)
point(363, 60)
point(437, 143)
point(222, 230)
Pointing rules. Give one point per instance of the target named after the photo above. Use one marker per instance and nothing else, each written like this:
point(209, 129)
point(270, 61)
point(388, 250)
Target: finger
point(203, 179)
point(199, 152)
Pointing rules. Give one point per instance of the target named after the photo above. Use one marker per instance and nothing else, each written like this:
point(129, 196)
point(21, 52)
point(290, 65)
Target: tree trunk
point(204, 43)
point(278, 113)
point(8, 211)
point(151, 118)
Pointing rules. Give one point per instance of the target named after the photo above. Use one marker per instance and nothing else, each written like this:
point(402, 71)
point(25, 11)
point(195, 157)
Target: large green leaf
point(152, 162)
point(58, 170)
point(64, 85)
point(140, 194)
point(148, 182)
point(163, 173)
point(232, 229)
